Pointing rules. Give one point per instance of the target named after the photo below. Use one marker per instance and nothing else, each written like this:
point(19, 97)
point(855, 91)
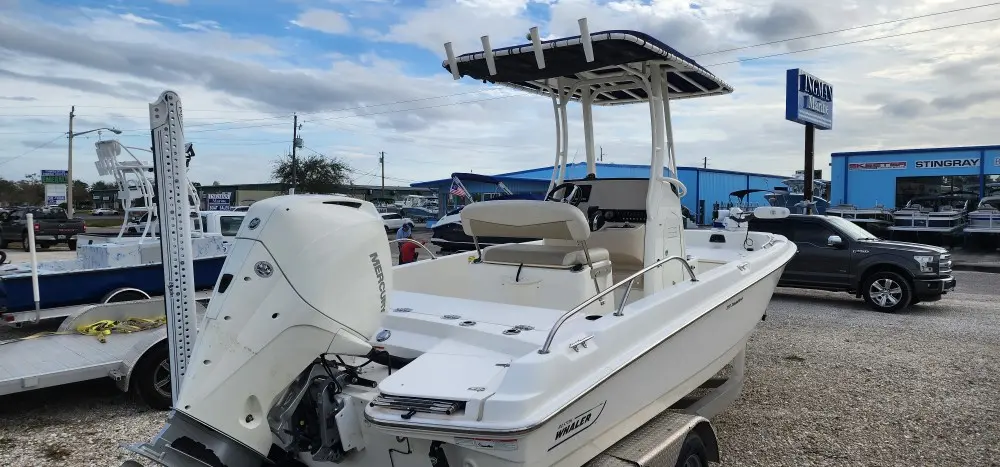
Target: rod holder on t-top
point(536, 45)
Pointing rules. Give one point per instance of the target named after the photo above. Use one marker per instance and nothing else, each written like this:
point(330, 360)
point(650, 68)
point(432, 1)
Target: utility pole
point(601, 157)
point(704, 163)
point(69, 166)
point(295, 144)
point(381, 161)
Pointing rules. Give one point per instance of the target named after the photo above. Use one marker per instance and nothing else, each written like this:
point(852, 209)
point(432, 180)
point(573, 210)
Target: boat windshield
point(852, 230)
point(992, 202)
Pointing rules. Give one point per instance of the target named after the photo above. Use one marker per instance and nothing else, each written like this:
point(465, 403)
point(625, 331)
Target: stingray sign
point(808, 99)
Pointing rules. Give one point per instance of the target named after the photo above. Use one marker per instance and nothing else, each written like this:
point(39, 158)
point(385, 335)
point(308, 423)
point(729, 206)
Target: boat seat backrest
point(522, 218)
point(532, 219)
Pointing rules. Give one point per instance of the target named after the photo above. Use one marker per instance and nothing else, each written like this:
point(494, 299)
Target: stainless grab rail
point(562, 319)
point(421, 245)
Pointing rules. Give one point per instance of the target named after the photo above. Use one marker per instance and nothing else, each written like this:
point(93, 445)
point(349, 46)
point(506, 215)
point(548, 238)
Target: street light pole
point(69, 167)
point(69, 162)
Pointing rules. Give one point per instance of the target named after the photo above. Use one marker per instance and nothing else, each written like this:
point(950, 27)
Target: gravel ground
point(829, 383)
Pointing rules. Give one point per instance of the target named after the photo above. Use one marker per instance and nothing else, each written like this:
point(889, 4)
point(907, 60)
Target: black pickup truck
point(836, 254)
point(51, 224)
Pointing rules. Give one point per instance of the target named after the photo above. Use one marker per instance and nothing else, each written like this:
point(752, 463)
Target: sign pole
point(807, 192)
point(808, 102)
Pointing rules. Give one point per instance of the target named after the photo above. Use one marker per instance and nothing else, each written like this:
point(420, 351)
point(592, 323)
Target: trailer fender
point(125, 294)
point(123, 374)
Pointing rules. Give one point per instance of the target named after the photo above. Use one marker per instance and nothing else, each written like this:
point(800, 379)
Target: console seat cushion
point(543, 255)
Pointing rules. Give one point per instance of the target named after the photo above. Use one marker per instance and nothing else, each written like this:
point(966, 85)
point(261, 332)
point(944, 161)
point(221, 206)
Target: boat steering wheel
point(568, 194)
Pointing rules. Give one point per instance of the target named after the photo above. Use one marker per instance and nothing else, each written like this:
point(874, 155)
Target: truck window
point(229, 225)
point(775, 226)
point(813, 233)
point(50, 213)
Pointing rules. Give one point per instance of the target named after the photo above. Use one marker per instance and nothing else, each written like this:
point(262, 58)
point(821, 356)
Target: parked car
point(838, 255)
point(104, 212)
point(51, 225)
point(394, 221)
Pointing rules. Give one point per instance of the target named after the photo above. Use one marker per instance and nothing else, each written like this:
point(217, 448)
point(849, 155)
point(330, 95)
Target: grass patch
point(56, 452)
point(104, 222)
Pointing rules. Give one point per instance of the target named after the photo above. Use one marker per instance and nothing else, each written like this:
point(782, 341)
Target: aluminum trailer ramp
point(55, 360)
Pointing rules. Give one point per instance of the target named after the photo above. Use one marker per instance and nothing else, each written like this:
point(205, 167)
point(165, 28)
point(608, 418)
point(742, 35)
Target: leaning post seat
point(532, 219)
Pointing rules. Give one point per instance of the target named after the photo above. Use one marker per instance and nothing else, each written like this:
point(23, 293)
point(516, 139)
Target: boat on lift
point(876, 219)
point(565, 351)
point(984, 222)
point(945, 213)
point(792, 195)
point(448, 233)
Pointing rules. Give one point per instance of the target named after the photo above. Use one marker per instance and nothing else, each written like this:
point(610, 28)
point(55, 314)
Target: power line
point(852, 28)
point(890, 36)
point(352, 116)
point(33, 149)
point(356, 171)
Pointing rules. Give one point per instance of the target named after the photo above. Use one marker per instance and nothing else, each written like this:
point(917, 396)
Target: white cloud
point(328, 21)
point(204, 25)
point(175, 2)
point(138, 20)
point(920, 90)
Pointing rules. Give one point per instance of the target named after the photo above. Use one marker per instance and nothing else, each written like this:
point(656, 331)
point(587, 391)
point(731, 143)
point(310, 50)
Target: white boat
point(875, 219)
point(985, 220)
point(942, 213)
point(792, 195)
point(544, 353)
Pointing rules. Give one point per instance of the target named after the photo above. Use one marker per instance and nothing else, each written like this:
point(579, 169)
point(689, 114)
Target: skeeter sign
point(876, 165)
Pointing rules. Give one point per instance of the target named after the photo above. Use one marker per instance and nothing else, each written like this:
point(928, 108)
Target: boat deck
point(53, 360)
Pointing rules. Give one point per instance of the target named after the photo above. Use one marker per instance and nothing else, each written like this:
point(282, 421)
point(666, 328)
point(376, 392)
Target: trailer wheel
point(693, 452)
point(71, 244)
point(151, 378)
point(24, 242)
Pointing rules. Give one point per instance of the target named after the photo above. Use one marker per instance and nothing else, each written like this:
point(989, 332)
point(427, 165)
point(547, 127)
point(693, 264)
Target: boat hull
point(83, 287)
point(668, 370)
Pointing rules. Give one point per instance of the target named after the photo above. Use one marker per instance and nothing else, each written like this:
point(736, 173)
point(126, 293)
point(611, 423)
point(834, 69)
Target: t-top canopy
point(615, 53)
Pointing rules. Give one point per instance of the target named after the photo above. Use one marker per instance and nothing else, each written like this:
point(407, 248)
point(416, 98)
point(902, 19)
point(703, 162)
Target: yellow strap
point(101, 329)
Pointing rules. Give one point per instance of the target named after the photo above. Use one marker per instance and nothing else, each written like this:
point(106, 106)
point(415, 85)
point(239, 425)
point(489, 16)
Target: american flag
point(456, 188)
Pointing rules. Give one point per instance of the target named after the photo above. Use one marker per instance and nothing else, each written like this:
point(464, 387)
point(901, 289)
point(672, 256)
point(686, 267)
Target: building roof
point(916, 151)
point(578, 170)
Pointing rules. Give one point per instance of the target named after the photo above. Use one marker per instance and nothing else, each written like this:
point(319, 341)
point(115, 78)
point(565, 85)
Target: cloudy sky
point(365, 76)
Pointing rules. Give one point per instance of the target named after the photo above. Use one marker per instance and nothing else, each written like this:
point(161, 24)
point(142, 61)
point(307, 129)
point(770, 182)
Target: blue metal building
point(705, 186)
point(891, 178)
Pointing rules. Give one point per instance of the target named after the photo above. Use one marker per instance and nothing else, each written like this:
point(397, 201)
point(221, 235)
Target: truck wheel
point(151, 378)
point(71, 244)
point(693, 452)
point(3, 242)
point(887, 291)
point(24, 242)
